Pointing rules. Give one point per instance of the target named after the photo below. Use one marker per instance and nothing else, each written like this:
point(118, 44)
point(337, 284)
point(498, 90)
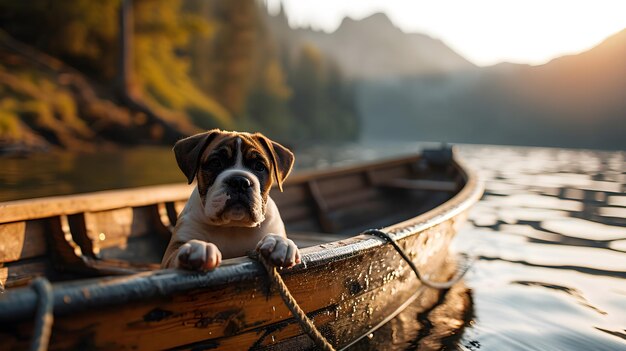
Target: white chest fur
point(232, 241)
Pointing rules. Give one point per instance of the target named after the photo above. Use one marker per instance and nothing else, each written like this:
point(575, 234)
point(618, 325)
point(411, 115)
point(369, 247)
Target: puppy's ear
point(189, 150)
point(281, 157)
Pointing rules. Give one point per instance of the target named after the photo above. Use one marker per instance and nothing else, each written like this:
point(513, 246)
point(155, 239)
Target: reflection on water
point(550, 234)
point(550, 238)
point(65, 173)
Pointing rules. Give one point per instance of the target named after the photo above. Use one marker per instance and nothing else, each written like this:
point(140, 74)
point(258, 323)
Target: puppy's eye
point(259, 166)
point(213, 163)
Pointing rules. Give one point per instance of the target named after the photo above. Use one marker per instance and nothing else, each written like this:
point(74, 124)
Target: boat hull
point(348, 287)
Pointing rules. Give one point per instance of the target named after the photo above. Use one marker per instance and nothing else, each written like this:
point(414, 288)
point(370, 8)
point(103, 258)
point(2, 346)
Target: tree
point(323, 104)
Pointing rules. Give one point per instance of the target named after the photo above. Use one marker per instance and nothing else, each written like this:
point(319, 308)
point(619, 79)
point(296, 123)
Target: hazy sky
point(484, 31)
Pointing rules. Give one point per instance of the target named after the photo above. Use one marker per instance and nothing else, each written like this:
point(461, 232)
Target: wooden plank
point(67, 256)
point(113, 228)
point(305, 176)
point(303, 224)
point(383, 174)
point(19, 274)
point(343, 184)
point(13, 211)
point(66, 253)
point(352, 217)
point(321, 208)
point(307, 239)
point(22, 240)
point(292, 195)
point(137, 251)
point(349, 199)
point(108, 228)
point(363, 288)
point(96, 231)
point(420, 184)
point(296, 212)
point(235, 306)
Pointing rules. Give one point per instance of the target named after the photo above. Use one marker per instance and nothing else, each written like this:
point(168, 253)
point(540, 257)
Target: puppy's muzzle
point(239, 184)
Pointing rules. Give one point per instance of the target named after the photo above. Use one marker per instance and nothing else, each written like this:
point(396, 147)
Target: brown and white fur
point(230, 212)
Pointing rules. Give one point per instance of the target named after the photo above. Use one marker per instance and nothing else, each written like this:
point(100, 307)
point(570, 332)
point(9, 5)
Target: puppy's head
point(235, 172)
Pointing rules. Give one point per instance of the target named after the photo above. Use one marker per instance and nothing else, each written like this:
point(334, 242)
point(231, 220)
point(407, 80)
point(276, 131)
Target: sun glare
point(484, 31)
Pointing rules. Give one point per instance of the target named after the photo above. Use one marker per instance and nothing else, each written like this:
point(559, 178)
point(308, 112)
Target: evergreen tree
point(192, 62)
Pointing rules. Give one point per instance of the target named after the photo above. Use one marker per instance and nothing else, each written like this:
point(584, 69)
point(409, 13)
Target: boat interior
point(126, 231)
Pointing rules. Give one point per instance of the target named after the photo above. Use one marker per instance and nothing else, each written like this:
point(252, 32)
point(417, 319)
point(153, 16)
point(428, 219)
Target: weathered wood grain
point(22, 240)
point(348, 284)
point(13, 211)
point(421, 184)
point(366, 288)
point(19, 274)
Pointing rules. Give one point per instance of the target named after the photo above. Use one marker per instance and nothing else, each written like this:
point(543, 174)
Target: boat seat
point(420, 184)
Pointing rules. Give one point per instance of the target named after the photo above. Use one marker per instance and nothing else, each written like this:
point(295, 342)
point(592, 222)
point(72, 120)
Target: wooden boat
point(101, 252)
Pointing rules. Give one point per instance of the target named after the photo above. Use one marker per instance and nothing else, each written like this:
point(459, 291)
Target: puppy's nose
point(239, 183)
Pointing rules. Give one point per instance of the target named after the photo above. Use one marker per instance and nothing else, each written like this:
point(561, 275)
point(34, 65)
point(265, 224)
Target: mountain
point(572, 101)
point(231, 65)
point(411, 86)
point(374, 48)
point(592, 83)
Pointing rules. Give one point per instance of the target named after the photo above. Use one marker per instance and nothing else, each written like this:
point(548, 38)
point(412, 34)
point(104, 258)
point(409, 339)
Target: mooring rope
point(460, 272)
point(305, 322)
point(43, 314)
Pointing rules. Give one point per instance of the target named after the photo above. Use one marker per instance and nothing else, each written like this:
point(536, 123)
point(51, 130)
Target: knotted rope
point(460, 272)
point(43, 314)
point(305, 323)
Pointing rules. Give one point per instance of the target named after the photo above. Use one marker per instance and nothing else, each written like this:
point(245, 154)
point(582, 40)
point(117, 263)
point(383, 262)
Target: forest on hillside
point(76, 74)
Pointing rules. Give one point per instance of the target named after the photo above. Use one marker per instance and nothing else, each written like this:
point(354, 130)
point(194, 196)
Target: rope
point(305, 323)
point(43, 314)
point(431, 284)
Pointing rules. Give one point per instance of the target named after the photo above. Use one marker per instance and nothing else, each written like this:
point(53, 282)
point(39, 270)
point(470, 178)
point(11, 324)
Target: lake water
point(549, 236)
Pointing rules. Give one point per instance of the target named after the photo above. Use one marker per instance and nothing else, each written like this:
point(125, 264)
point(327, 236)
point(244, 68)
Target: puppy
point(230, 211)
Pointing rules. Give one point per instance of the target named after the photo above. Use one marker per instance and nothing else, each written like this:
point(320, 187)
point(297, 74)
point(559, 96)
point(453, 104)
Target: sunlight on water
point(552, 269)
point(575, 227)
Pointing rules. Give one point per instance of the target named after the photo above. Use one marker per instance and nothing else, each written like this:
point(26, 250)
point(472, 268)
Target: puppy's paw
point(279, 250)
point(198, 256)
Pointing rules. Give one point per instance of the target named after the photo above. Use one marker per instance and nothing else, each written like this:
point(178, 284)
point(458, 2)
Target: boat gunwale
point(76, 296)
point(35, 208)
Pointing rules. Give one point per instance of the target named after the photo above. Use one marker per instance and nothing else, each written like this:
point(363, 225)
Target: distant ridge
point(592, 83)
point(572, 101)
point(413, 87)
point(374, 48)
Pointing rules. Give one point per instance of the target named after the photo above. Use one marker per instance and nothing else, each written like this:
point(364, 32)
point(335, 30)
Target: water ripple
point(551, 223)
point(550, 234)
